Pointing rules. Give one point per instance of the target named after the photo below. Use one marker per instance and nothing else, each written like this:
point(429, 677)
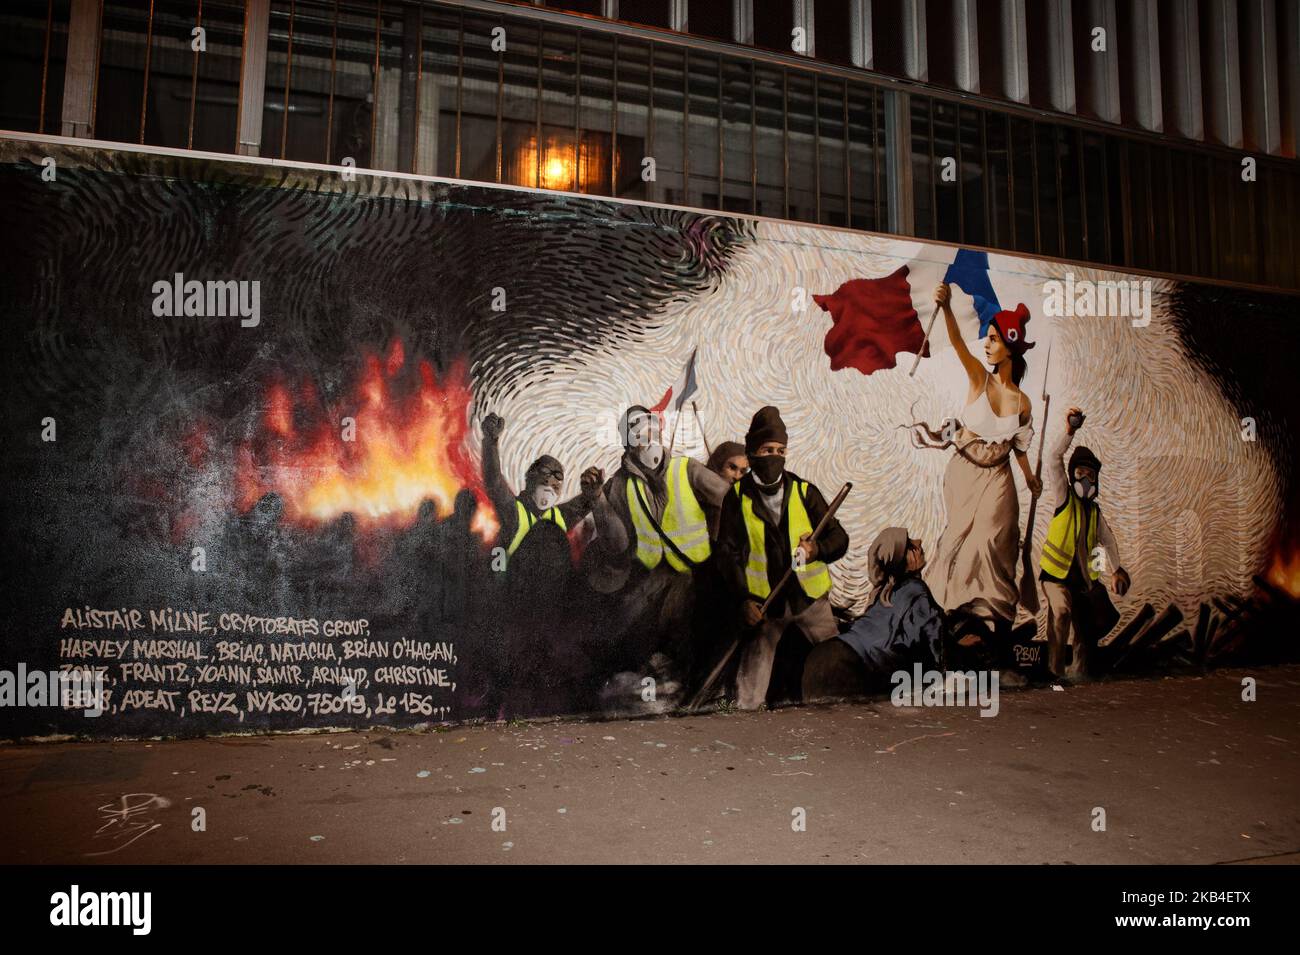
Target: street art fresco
point(287, 450)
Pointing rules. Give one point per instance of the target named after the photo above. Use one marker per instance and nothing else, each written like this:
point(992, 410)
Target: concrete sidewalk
point(1186, 772)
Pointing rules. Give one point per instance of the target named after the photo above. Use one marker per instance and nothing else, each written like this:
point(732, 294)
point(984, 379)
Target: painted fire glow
point(1285, 570)
point(405, 445)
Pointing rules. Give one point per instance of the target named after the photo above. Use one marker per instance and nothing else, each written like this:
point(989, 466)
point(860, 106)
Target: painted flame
point(405, 445)
point(1285, 570)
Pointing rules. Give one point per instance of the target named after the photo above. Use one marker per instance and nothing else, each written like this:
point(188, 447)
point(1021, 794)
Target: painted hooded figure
point(903, 626)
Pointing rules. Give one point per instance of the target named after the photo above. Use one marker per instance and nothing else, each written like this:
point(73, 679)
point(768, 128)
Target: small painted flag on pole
point(680, 390)
point(685, 385)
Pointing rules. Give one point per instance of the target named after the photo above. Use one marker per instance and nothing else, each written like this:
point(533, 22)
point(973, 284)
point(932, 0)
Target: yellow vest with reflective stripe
point(527, 519)
point(683, 521)
point(814, 577)
point(1058, 548)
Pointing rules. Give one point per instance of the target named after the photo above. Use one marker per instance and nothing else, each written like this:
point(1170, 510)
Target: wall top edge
point(105, 146)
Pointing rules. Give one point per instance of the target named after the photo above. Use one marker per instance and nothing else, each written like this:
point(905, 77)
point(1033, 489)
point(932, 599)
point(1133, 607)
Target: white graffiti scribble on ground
point(128, 819)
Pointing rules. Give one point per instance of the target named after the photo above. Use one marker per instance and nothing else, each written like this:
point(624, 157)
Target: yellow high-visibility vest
point(683, 521)
point(814, 577)
point(1058, 548)
point(526, 521)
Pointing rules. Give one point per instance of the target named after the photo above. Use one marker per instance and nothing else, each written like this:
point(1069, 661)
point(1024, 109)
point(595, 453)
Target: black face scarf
point(767, 469)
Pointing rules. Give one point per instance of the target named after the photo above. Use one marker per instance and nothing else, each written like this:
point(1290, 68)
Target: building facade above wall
point(996, 124)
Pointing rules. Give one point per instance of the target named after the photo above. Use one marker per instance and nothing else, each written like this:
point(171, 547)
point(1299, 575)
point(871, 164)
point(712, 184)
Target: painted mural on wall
point(284, 450)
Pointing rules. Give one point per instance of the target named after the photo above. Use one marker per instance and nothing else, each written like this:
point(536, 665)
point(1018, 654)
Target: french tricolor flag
point(872, 320)
point(680, 390)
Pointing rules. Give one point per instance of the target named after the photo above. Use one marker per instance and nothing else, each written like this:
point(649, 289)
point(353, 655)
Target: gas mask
point(545, 497)
point(650, 455)
point(641, 436)
point(1086, 488)
point(767, 468)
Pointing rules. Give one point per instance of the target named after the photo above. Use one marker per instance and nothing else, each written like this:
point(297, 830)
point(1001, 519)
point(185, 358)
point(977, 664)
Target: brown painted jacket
point(732, 547)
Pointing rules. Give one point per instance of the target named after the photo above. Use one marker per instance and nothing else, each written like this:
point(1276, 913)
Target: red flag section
point(873, 321)
point(663, 402)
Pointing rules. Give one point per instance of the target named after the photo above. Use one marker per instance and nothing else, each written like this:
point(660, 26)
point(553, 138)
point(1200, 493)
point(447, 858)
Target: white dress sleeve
point(1023, 437)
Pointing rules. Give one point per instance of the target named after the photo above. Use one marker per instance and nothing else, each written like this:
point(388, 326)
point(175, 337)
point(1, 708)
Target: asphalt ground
point(1184, 770)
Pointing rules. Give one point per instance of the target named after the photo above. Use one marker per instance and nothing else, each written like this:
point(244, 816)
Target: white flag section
point(924, 274)
point(685, 385)
point(979, 288)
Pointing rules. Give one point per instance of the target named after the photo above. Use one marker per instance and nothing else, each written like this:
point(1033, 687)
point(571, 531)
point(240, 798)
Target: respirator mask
point(545, 497)
point(650, 455)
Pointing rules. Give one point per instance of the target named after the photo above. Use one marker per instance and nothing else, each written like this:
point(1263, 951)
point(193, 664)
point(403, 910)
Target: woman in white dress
point(973, 573)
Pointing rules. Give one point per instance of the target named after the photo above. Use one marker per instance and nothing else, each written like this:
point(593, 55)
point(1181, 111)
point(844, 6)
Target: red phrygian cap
point(1011, 326)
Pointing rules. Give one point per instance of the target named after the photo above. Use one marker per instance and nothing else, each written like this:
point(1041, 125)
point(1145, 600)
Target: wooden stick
point(1229, 610)
point(707, 450)
point(1203, 649)
point(1225, 636)
point(929, 328)
point(1119, 638)
point(1200, 639)
point(1168, 618)
point(1028, 581)
point(1229, 643)
point(821, 526)
point(1174, 636)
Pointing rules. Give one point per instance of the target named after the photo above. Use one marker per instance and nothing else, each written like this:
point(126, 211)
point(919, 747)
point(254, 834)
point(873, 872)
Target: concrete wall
point(279, 520)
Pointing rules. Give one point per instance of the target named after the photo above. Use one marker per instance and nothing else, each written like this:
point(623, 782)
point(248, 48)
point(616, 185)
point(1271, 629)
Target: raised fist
point(592, 479)
point(942, 293)
point(1121, 582)
point(493, 425)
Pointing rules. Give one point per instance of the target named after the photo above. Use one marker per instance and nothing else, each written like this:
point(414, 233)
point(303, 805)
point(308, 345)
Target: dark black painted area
point(150, 411)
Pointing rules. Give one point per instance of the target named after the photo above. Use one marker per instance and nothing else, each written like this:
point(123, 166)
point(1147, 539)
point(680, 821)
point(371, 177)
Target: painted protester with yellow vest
point(768, 516)
point(520, 513)
point(1078, 547)
point(651, 534)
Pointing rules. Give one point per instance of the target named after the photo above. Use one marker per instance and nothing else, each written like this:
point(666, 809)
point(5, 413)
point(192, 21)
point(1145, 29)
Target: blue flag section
point(970, 273)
